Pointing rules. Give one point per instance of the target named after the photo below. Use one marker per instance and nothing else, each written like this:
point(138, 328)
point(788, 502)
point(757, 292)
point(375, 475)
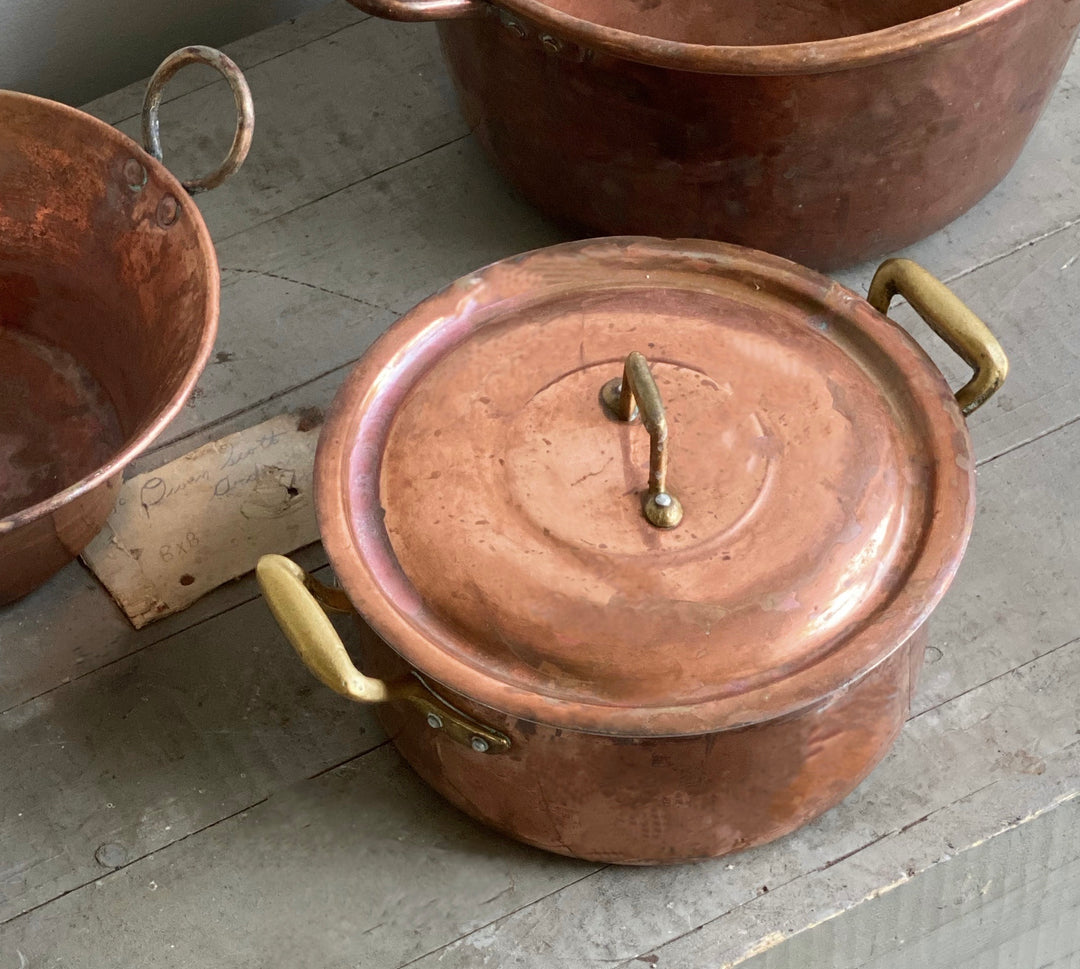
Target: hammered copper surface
point(483, 511)
point(659, 800)
point(107, 314)
point(825, 132)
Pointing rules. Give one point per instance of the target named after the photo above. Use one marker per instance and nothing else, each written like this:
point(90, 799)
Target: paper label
point(203, 519)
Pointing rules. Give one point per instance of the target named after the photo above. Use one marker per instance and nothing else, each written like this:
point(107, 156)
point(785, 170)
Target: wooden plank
point(361, 866)
point(1015, 593)
point(998, 903)
point(308, 292)
point(384, 872)
point(248, 52)
point(274, 334)
point(147, 750)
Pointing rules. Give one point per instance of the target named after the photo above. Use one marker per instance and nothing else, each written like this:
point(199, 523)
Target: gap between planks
point(239, 812)
point(303, 205)
point(316, 570)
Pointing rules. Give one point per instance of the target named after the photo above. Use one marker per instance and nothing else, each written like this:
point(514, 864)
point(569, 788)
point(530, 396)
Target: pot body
point(554, 660)
point(662, 800)
point(108, 311)
point(825, 168)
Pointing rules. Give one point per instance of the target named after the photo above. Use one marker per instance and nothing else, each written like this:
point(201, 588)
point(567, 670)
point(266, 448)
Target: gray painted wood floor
point(187, 796)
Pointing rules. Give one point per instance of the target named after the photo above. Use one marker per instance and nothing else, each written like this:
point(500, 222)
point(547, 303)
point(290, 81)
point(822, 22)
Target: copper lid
point(484, 509)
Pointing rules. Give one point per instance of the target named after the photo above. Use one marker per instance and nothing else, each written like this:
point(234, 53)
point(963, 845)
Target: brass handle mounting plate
point(298, 600)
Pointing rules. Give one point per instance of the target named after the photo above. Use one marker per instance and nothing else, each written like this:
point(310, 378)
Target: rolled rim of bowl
point(141, 441)
point(808, 57)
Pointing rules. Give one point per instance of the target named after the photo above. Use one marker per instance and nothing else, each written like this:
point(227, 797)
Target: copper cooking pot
point(650, 644)
point(827, 131)
point(108, 312)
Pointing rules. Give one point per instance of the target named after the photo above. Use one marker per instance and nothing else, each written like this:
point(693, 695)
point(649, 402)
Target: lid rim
point(348, 530)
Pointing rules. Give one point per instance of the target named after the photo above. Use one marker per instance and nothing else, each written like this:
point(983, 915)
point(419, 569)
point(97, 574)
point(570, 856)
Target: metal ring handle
point(245, 111)
point(418, 10)
point(624, 398)
point(298, 600)
point(950, 319)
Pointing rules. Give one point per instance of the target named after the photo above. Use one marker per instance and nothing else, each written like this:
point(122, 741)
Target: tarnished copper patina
point(599, 681)
point(108, 311)
point(824, 131)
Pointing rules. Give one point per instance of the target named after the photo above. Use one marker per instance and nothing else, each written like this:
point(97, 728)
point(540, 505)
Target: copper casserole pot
point(108, 312)
point(826, 131)
point(643, 647)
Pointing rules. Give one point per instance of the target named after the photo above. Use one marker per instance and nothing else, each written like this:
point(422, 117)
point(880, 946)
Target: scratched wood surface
point(186, 794)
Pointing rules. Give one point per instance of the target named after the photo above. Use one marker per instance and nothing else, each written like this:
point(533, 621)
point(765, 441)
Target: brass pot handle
point(298, 600)
point(950, 319)
point(637, 391)
point(245, 111)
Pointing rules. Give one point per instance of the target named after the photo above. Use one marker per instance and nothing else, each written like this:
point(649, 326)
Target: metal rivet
point(551, 44)
point(168, 211)
point(663, 499)
point(518, 30)
point(134, 174)
point(434, 721)
point(480, 745)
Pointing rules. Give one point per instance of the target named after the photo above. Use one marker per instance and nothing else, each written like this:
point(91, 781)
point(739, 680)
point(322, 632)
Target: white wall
point(77, 50)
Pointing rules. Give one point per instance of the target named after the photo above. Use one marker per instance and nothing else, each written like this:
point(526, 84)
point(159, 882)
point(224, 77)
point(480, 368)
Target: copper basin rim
point(807, 57)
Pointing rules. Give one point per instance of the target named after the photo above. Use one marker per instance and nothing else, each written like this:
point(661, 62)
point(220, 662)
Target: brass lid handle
point(637, 391)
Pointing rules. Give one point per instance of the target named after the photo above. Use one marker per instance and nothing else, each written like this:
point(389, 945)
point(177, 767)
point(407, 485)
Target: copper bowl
point(826, 131)
point(643, 647)
point(108, 311)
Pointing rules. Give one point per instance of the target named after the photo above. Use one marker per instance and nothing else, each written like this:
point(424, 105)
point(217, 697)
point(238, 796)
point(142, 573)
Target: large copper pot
point(108, 311)
point(827, 131)
point(646, 644)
